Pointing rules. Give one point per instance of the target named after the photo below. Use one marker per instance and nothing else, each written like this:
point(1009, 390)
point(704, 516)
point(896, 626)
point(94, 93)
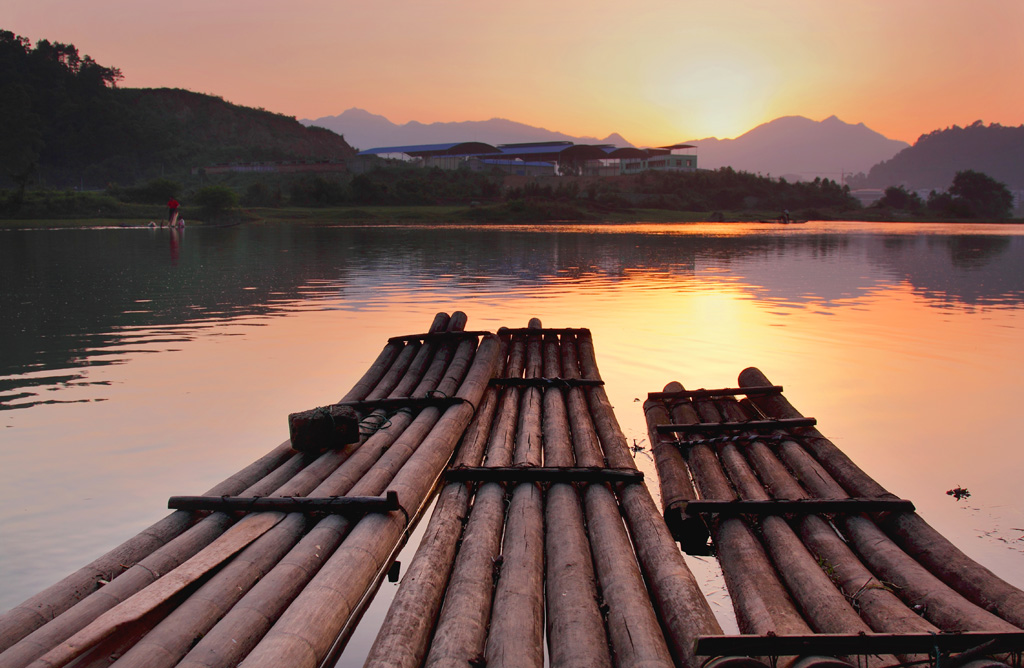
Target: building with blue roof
point(543, 158)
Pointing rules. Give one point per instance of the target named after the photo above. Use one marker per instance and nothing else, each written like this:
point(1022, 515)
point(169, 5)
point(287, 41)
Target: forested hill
point(203, 129)
point(933, 161)
point(64, 122)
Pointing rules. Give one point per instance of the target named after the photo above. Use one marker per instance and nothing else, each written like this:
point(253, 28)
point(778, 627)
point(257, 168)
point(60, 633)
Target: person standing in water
point(172, 211)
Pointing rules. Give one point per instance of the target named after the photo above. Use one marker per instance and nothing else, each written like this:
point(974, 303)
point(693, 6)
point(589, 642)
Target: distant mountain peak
point(796, 145)
point(933, 161)
point(789, 145)
point(366, 130)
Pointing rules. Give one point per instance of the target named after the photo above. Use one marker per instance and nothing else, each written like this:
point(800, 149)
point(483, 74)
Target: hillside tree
point(982, 195)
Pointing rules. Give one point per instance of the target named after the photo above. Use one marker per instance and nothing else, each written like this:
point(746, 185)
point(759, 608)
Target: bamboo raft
point(585, 552)
point(273, 585)
point(818, 558)
point(544, 546)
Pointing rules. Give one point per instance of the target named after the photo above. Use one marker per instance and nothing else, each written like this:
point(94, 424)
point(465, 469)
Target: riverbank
point(450, 214)
point(380, 214)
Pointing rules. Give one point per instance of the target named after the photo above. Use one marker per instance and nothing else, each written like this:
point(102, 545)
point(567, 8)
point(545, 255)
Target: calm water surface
point(136, 364)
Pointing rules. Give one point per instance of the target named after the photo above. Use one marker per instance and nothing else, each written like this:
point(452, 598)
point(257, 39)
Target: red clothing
point(172, 204)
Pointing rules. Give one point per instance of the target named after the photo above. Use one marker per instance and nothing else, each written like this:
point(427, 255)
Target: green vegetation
point(64, 123)
point(216, 201)
point(74, 146)
point(935, 158)
point(728, 190)
point(972, 196)
point(898, 198)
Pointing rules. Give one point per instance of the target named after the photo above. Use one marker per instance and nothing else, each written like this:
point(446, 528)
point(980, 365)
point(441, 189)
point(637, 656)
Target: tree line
point(65, 123)
point(971, 195)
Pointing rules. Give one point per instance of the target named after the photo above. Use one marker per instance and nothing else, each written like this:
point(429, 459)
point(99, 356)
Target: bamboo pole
point(914, 584)
point(38, 610)
point(683, 609)
point(388, 384)
point(676, 487)
point(876, 603)
point(403, 638)
point(824, 606)
point(289, 564)
point(174, 637)
point(59, 597)
point(169, 641)
point(760, 600)
point(305, 632)
point(461, 633)
point(576, 634)
point(517, 617)
point(299, 483)
point(164, 589)
point(920, 540)
point(131, 581)
point(633, 627)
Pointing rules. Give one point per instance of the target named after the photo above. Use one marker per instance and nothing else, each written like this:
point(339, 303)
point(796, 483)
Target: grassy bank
point(133, 215)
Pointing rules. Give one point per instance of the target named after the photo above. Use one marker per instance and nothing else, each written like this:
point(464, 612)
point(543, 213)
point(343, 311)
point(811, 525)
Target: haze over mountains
point(793, 146)
point(365, 130)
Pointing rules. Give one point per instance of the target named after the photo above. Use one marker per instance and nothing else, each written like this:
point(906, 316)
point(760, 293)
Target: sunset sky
point(655, 71)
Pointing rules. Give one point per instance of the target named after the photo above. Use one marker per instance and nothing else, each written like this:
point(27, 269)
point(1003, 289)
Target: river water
point(139, 364)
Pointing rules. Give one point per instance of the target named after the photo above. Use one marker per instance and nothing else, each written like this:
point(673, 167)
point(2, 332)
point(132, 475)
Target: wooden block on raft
point(323, 428)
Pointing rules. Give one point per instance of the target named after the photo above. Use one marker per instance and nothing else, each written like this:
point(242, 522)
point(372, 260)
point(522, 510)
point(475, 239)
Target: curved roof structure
point(625, 153)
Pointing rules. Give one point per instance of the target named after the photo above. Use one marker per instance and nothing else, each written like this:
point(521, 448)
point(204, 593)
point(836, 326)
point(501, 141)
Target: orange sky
point(656, 71)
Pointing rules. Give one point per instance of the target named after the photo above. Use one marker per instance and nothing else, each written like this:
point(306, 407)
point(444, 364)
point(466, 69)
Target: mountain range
point(798, 148)
point(933, 161)
point(365, 131)
point(792, 146)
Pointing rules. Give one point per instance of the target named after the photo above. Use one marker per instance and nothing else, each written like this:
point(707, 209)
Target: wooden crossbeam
point(434, 337)
point(547, 382)
point(404, 402)
point(831, 644)
point(751, 425)
point(517, 474)
point(288, 504)
point(726, 392)
point(732, 438)
point(545, 330)
point(796, 506)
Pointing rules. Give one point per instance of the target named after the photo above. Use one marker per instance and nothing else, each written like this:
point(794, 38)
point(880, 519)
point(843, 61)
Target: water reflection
point(75, 299)
point(138, 378)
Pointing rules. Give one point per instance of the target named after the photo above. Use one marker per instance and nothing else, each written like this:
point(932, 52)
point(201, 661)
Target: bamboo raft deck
point(544, 546)
point(586, 552)
point(818, 558)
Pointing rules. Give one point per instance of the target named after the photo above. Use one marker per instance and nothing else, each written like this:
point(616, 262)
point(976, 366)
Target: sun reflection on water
point(904, 342)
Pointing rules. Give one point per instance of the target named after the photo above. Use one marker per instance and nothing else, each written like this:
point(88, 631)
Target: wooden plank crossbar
point(564, 383)
point(726, 392)
point(833, 644)
point(797, 506)
point(404, 402)
point(734, 438)
point(288, 504)
point(434, 337)
point(752, 425)
point(517, 474)
point(543, 330)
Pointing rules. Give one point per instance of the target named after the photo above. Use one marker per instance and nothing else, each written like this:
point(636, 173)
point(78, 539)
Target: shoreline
point(447, 215)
